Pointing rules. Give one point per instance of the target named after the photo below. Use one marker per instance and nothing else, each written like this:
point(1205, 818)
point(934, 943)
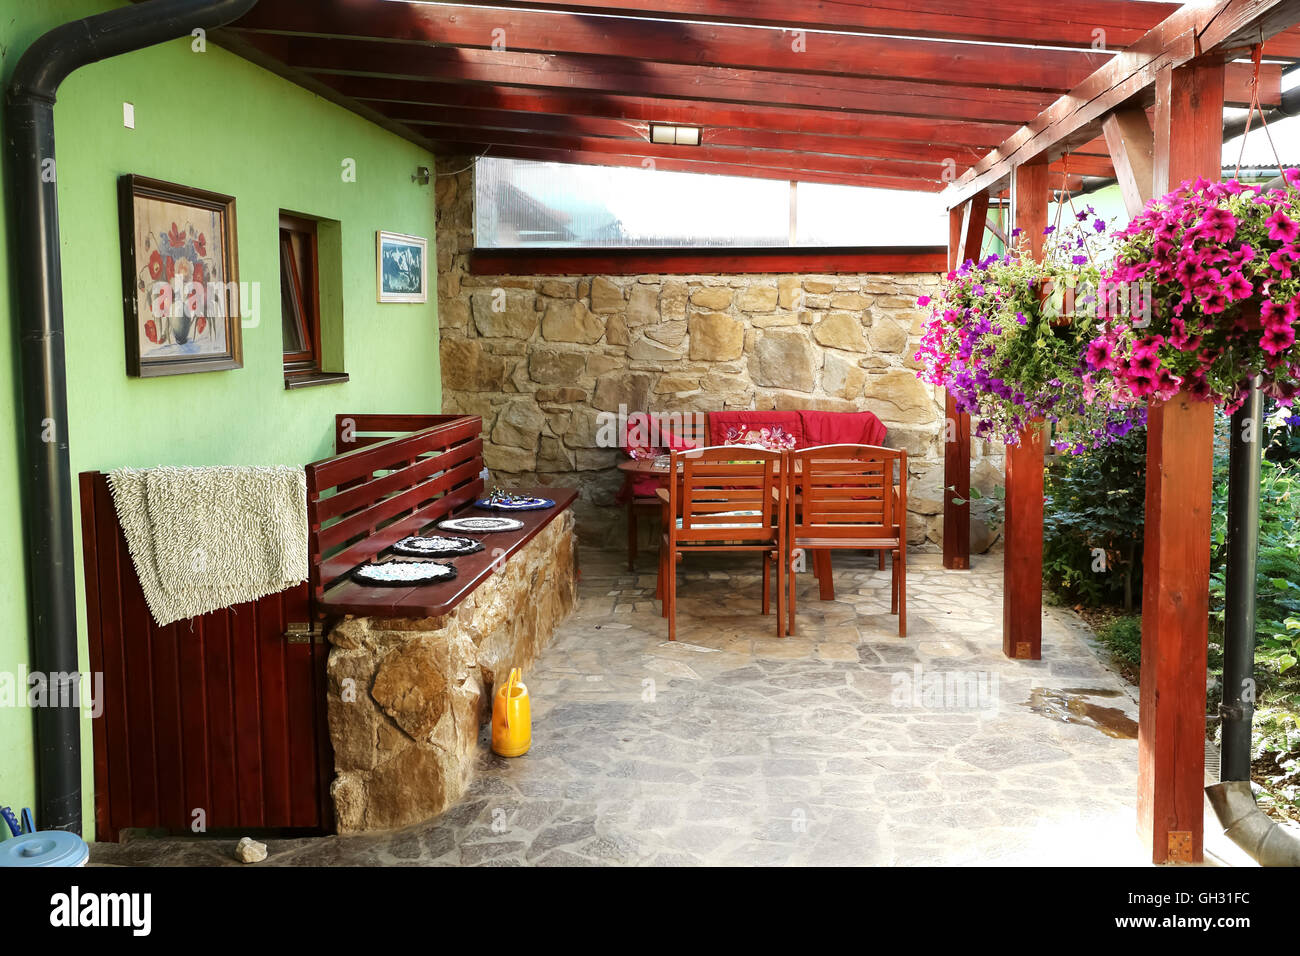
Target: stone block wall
point(540, 358)
point(407, 696)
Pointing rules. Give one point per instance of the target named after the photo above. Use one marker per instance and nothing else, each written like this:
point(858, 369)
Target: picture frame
point(401, 267)
point(180, 278)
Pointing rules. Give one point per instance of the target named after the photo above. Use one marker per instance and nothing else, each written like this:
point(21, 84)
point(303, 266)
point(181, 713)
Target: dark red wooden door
point(217, 720)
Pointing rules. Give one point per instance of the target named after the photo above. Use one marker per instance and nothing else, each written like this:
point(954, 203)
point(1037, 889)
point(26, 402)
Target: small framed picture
point(180, 278)
point(401, 267)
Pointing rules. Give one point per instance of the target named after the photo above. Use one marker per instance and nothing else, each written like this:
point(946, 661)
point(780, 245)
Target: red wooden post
point(1176, 564)
point(956, 483)
point(965, 238)
point(1022, 531)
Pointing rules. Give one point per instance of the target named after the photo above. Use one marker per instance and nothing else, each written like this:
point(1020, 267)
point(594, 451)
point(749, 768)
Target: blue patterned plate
point(515, 503)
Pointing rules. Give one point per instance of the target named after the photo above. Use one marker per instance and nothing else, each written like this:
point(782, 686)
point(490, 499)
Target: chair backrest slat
point(848, 491)
point(720, 481)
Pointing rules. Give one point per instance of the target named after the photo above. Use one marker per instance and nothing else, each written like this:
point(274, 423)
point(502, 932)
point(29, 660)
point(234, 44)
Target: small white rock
point(249, 850)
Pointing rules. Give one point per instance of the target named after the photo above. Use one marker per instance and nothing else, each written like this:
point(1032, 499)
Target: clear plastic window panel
point(521, 203)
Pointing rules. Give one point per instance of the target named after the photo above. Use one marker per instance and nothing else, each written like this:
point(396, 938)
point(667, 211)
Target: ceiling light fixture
point(669, 135)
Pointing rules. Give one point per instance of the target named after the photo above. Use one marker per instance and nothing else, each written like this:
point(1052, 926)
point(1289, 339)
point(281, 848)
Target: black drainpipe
point(1267, 841)
point(1238, 707)
point(38, 275)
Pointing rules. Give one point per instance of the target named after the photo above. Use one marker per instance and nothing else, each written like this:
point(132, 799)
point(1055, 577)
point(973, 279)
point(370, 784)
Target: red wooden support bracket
point(1176, 562)
point(1131, 143)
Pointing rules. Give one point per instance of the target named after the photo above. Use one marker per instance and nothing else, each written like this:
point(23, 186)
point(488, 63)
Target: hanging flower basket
point(1219, 266)
point(1006, 338)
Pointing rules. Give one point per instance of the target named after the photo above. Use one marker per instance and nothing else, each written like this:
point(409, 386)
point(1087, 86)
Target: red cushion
point(841, 428)
point(722, 422)
point(646, 430)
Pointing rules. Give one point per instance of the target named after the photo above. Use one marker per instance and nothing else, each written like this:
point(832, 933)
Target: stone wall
point(407, 697)
point(541, 357)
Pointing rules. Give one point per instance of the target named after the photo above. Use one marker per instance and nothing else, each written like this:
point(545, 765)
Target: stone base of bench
point(408, 696)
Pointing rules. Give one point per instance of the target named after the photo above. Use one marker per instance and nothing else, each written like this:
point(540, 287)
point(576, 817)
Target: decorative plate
point(480, 525)
point(402, 573)
point(507, 502)
point(436, 546)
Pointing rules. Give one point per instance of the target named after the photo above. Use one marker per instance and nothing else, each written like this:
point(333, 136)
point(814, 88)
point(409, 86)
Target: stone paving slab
point(842, 745)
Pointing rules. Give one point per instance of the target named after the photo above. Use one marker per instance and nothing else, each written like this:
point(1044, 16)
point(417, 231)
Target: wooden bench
point(389, 482)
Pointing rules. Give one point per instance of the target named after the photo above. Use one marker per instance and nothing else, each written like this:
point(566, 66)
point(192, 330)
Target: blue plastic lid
point(44, 848)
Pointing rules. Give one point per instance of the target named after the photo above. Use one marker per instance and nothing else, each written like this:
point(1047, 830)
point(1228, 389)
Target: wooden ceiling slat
point(692, 44)
point(378, 91)
point(899, 170)
point(432, 118)
point(542, 154)
point(850, 105)
point(611, 75)
point(1082, 23)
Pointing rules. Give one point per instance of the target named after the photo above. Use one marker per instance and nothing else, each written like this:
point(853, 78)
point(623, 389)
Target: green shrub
point(1092, 523)
point(1122, 636)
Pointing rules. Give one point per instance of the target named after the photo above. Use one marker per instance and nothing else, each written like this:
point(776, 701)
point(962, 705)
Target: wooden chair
point(692, 429)
point(726, 499)
point(845, 497)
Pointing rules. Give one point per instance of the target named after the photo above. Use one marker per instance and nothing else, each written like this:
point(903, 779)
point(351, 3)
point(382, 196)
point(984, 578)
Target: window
point(299, 296)
point(526, 204)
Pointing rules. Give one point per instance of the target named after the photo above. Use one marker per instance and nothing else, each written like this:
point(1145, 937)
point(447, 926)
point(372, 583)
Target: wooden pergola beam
point(432, 119)
point(910, 175)
point(1132, 143)
point(1190, 32)
point(581, 157)
point(600, 74)
point(1115, 23)
point(688, 111)
point(675, 41)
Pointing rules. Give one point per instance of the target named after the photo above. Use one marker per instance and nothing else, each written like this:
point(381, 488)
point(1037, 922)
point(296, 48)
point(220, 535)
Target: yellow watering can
point(512, 718)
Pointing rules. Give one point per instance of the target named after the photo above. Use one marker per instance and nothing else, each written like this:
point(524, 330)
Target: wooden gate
point(217, 720)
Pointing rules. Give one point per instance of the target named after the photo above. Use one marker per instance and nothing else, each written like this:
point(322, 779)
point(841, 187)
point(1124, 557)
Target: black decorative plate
point(403, 574)
point(480, 525)
point(436, 546)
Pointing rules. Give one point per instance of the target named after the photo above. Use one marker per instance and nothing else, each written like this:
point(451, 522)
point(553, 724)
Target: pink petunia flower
point(1281, 227)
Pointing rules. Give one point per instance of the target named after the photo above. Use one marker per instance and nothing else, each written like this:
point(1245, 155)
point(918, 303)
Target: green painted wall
point(217, 122)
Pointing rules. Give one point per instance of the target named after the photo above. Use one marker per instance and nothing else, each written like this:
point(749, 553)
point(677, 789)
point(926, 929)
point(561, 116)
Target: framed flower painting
point(180, 279)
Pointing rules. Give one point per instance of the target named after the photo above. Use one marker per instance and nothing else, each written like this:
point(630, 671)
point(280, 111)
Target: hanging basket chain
point(1256, 55)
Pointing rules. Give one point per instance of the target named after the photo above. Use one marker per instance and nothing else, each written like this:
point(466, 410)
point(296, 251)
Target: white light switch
point(128, 115)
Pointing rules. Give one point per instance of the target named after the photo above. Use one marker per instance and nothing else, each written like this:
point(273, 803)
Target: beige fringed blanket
point(207, 538)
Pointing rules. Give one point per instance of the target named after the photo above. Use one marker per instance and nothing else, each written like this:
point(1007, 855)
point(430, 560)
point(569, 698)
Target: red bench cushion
point(841, 428)
point(721, 423)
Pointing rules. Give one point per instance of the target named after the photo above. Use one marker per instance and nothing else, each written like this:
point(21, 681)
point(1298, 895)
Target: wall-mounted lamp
point(421, 176)
point(669, 135)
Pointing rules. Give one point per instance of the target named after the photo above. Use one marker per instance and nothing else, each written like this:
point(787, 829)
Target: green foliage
point(1122, 636)
point(1277, 757)
point(1277, 589)
point(1092, 523)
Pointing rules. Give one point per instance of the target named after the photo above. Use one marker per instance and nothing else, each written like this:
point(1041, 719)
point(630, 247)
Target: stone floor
point(844, 744)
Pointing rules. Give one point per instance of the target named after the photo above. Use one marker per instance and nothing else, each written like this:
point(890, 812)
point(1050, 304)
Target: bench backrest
point(357, 431)
point(361, 502)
